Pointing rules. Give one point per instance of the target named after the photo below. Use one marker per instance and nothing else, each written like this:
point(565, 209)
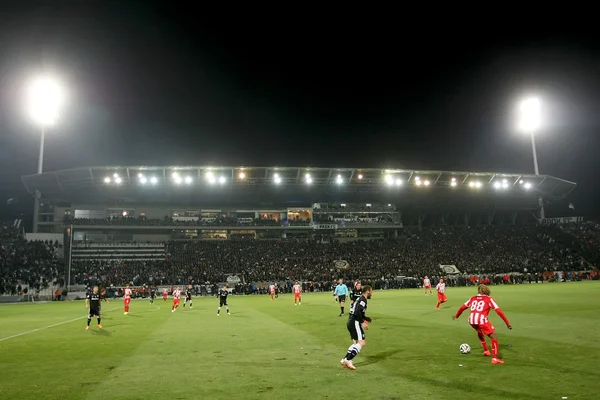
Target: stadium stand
point(484, 251)
point(26, 265)
point(204, 225)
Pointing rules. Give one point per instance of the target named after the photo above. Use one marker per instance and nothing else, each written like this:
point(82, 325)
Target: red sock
point(482, 340)
point(495, 348)
point(438, 305)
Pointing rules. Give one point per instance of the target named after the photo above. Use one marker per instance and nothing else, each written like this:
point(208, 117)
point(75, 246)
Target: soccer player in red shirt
point(127, 299)
point(441, 292)
point(272, 291)
point(176, 299)
point(480, 306)
point(165, 294)
point(427, 285)
point(297, 294)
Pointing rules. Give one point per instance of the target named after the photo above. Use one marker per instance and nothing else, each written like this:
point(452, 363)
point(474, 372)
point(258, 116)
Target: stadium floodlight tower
point(529, 123)
point(44, 99)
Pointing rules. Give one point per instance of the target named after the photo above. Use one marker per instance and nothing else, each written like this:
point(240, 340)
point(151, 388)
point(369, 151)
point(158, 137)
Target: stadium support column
point(421, 219)
point(542, 214)
point(70, 258)
point(490, 217)
point(395, 233)
point(37, 194)
point(284, 235)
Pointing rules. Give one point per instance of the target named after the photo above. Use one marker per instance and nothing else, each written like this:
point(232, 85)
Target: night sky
point(158, 85)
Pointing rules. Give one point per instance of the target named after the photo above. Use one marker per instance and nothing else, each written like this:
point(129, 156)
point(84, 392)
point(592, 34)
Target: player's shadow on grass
point(375, 358)
point(102, 332)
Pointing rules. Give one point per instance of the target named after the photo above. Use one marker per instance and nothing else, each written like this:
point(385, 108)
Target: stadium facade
point(142, 203)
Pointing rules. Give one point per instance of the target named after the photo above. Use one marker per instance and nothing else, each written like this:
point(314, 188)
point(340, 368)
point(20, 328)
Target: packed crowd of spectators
point(588, 236)
point(26, 264)
point(493, 252)
point(485, 250)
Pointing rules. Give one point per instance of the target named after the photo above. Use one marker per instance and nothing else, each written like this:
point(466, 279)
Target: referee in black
point(92, 301)
point(358, 323)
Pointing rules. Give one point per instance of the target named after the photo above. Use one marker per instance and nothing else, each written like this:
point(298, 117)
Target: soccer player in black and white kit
point(355, 293)
point(358, 323)
point(223, 293)
point(152, 294)
point(92, 301)
point(188, 297)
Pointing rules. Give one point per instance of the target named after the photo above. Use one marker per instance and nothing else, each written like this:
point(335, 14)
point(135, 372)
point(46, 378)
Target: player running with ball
point(358, 323)
point(480, 306)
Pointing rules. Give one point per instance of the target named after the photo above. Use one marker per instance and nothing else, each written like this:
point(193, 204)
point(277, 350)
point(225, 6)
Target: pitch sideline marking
point(62, 323)
point(48, 327)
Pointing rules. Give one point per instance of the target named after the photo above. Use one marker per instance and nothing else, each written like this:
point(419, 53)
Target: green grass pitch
point(275, 350)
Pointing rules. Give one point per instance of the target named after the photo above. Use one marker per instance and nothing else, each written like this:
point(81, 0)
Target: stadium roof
point(289, 184)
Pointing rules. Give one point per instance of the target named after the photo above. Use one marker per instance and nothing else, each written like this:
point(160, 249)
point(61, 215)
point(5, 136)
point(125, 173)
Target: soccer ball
point(465, 348)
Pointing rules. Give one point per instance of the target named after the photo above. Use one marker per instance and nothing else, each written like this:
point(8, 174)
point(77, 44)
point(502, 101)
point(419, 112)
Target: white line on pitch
point(48, 327)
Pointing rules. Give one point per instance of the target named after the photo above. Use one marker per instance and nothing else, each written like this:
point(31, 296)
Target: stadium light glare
point(188, 180)
point(389, 180)
point(471, 184)
point(398, 182)
point(117, 180)
point(528, 186)
point(107, 180)
point(308, 179)
point(44, 97)
point(418, 182)
point(222, 180)
point(360, 176)
point(124, 213)
point(529, 115)
point(140, 175)
point(154, 180)
point(497, 185)
point(242, 175)
point(521, 182)
point(453, 183)
point(339, 180)
point(276, 178)
point(115, 175)
point(143, 180)
point(453, 179)
point(177, 179)
point(478, 184)
point(210, 177)
point(426, 183)
point(417, 178)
